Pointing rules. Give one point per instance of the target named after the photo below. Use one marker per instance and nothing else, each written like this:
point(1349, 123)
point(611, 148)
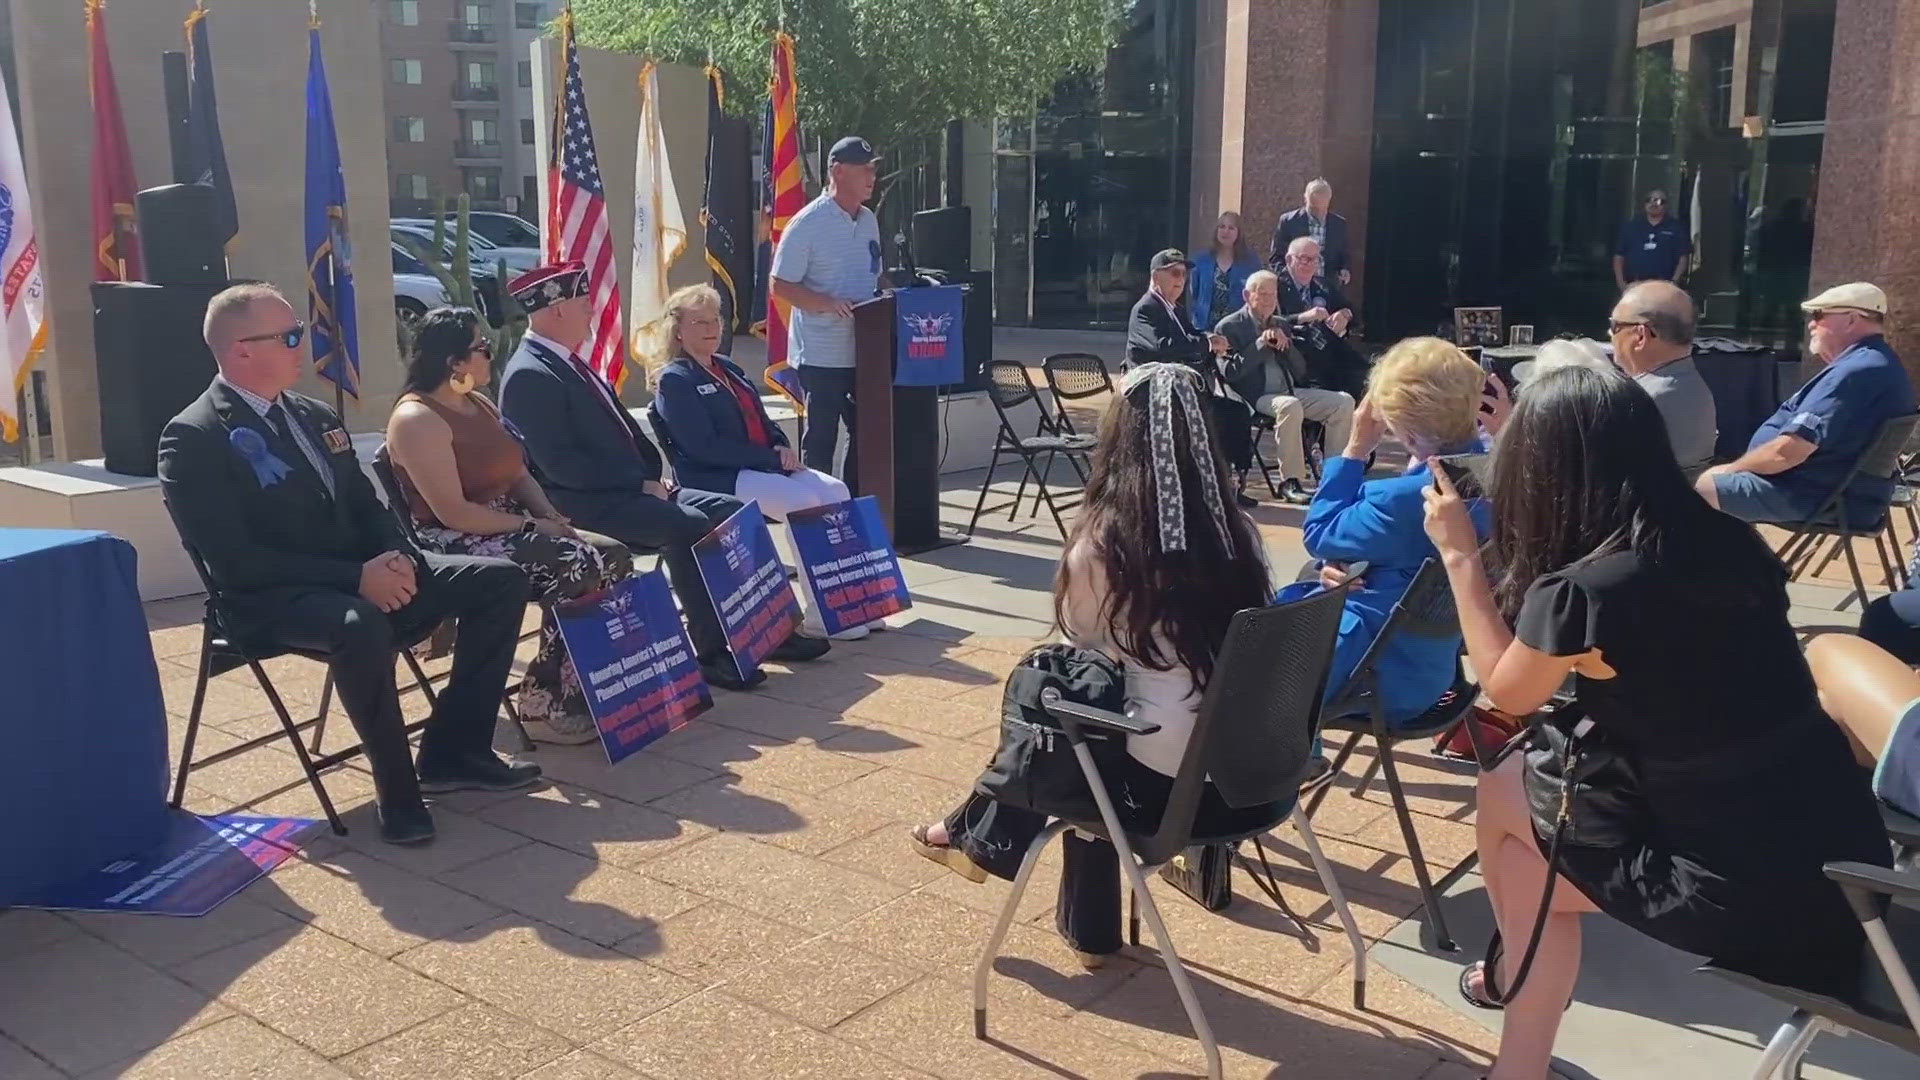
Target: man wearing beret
point(599, 467)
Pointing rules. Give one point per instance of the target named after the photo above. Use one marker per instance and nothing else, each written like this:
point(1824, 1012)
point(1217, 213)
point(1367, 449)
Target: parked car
point(484, 269)
point(480, 247)
point(505, 230)
point(415, 289)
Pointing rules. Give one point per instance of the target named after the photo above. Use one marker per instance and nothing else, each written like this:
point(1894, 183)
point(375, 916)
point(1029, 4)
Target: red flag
point(783, 170)
point(576, 228)
point(116, 243)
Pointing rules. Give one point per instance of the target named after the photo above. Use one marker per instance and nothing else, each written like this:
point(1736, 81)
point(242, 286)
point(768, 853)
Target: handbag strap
point(1487, 972)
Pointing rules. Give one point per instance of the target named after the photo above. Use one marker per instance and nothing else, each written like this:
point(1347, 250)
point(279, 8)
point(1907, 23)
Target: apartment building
point(454, 103)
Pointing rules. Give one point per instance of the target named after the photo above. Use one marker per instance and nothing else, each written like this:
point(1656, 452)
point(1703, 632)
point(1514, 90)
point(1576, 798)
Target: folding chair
point(221, 652)
point(1074, 376)
point(1251, 740)
point(1881, 458)
point(1885, 1005)
point(1903, 830)
point(1008, 388)
point(1312, 433)
point(1425, 610)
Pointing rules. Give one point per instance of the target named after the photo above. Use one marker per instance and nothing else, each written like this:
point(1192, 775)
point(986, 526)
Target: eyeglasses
point(1817, 316)
point(289, 337)
point(1614, 326)
point(480, 347)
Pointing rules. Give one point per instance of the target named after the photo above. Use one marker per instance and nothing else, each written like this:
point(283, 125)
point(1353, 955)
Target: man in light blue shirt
point(829, 260)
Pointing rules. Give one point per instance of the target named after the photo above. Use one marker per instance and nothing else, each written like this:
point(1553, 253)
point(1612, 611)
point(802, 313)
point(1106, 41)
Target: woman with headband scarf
point(1154, 570)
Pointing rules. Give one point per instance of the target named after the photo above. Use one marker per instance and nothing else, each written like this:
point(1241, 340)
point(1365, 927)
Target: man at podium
point(828, 260)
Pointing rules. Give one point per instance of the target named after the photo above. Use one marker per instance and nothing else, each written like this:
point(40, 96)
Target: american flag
point(577, 215)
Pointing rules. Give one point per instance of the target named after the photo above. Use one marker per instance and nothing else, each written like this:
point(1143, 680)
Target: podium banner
point(928, 346)
point(741, 569)
point(200, 863)
point(850, 563)
point(635, 664)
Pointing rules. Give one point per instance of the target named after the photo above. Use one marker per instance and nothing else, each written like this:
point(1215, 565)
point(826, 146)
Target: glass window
point(410, 186)
point(404, 12)
point(528, 16)
point(483, 131)
point(409, 129)
point(524, 73)
point(483, 183)
point(406, 72)
point(477, 14)
point(526, 132)
point(479, 73)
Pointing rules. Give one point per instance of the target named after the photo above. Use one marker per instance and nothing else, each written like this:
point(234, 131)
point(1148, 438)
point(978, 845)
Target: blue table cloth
point(83, 727)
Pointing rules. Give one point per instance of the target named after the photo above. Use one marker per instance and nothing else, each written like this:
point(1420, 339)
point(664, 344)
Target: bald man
point(263, 483)
point(1652, 331)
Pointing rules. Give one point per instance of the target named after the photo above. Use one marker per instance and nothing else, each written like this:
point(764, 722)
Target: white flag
point(659, 229)
point(22, 331)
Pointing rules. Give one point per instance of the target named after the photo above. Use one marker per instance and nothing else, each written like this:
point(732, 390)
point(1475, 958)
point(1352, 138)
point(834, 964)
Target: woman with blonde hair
point(717, 432)
point(1220, 272)
point(464, 479)
point(1426, 394)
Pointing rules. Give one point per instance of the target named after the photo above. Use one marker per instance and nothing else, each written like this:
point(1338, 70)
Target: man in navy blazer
point(1315, 218)
point(597, 464)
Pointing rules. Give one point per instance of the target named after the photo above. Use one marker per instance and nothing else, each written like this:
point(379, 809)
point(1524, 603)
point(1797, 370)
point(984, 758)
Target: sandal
point(946, 855)
point(1478, 998)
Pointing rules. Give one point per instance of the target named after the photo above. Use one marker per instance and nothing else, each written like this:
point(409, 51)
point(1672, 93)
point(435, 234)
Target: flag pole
point(333, 281)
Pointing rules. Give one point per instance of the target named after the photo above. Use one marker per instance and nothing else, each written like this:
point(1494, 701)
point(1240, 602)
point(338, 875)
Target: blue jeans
point(1752, 497)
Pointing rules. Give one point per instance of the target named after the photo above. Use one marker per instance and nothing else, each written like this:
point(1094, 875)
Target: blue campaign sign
point(200, 863)
point(928, 346)
point(850, 564)
point(743, 575)
point(636, 666)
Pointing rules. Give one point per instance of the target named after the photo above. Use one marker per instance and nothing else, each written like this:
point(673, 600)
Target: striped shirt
point(836, 254)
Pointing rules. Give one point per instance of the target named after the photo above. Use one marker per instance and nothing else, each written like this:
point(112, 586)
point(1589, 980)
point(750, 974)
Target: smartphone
point(1467, 473)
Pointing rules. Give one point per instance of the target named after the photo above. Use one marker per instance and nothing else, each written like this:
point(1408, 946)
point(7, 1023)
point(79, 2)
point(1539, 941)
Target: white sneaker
point(854, 634)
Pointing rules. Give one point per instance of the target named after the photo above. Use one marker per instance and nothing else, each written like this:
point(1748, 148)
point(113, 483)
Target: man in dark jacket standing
point(264, 486)
point(1315, 219)
point(1158, 331)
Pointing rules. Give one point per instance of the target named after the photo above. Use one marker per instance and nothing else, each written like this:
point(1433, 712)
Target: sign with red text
point(636, 667)
point(850, 563)
point(743, 575)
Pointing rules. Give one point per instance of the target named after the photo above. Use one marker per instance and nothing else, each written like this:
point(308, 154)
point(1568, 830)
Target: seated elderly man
point(1271, 377)
point(1320, 316)
point(1810, 445)
point(1652, 331)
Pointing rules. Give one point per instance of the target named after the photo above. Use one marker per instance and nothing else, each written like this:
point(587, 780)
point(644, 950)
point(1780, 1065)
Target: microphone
point(906, 257)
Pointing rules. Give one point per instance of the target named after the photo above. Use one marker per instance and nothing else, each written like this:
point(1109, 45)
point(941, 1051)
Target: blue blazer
point(586, 458)
point(1383, 522)
point(706, 432)
point(1200, 287)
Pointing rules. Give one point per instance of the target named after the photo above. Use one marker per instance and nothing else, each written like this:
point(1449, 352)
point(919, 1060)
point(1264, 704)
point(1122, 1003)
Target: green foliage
point(893, 71)
point(457, 279)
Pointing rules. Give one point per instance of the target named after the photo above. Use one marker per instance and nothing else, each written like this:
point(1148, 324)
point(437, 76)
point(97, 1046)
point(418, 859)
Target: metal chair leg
point(1366, 778)
point(420, 676)
point(320, 716)
point(1886, 564)
point(193, 718)
point(984, 966)
point(1788, 1044)
point(1435, 917)
point(1339, 901)
point(299, 748)
point(981, 503)
point(1859, 582)
point(1339, 760)
point(1136, 875)
point(1133, 919)
point(1839, 542)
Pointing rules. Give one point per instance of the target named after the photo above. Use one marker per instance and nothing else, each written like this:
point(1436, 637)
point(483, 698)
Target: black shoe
point(723, 674)
point(1246, 501)
point(1292, 493)
point(480, 772)
point(798, 648)
point(412, 825)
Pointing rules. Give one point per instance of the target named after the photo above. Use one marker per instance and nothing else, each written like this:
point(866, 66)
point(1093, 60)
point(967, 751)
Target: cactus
point(457, 279)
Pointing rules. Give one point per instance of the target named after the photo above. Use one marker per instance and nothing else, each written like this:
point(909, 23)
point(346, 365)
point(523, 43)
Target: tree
point(893, 71)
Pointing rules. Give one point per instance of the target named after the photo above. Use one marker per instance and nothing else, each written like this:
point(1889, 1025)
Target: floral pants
point(560, 568)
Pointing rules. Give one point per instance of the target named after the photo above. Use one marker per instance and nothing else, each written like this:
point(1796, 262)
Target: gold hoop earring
point(460, 382)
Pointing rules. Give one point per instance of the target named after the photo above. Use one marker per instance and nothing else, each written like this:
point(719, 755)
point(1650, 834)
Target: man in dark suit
point(264, 485)
point(1320, 315)
point(1158, 331)
point(1268, 373)
point(1315, 220)
point(599, 467)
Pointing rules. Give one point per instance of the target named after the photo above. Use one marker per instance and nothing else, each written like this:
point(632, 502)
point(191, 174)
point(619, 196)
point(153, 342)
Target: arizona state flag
point(728, 213)
point(783, 182)
point(206, 152)
point(116, 242)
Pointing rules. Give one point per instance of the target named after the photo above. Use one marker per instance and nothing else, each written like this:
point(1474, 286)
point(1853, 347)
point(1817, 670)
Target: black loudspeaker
point(152, 363)
point(976, 318)
point(177, 236)
point(943, 239)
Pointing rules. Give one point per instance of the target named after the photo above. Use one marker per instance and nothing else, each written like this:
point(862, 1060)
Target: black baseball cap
point(1169, 258)
point(852, 150)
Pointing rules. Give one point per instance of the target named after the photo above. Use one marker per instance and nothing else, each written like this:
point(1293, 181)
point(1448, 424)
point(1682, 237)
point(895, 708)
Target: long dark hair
point(1164, 609)
point(441, 339)
point(1585, 469)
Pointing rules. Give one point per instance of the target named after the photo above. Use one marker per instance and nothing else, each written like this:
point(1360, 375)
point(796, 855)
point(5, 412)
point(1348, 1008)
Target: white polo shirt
point(835, 253)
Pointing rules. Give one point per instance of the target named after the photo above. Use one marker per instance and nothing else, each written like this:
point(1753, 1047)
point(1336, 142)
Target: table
point(81, 716)
point(1744, 381)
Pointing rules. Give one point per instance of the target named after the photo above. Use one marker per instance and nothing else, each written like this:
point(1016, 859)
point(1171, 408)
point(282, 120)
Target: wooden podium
point(896, 435)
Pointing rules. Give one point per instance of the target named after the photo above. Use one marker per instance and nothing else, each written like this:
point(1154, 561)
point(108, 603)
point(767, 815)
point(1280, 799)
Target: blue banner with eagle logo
point(927, 341)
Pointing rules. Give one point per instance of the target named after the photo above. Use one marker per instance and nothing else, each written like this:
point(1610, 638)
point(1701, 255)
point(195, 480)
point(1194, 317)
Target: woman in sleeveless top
point(468, 492)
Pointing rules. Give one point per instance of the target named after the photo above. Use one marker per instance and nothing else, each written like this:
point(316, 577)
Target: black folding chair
point(1251, 740)
point(1903, 830)
point(1881, 458)
point(1312, 433)
point(1885, 1004)
point(1425, 610)
point(221, 652)
point(1008, 388)
point(1074, 376)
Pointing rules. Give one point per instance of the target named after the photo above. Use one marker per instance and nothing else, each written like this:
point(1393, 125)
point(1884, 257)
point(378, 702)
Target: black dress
point(1751, 787)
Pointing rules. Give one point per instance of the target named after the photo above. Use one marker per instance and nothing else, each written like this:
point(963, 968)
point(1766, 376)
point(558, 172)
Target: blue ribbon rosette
point(252, 448)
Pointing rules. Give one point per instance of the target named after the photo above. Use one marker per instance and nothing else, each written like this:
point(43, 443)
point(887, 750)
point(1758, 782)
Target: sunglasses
point(289, 337)
point(1656, 202)
point(480, 347)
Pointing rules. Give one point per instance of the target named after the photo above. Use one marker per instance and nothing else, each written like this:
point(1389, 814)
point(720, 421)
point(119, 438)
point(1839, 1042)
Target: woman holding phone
point(1672, 618)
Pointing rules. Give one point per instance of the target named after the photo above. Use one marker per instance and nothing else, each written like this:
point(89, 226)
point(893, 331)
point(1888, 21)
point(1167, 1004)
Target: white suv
point(415, 289)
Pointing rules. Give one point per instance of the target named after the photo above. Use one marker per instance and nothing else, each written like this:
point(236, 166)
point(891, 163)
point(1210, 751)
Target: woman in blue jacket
point(716, 430)
point(1220, 273)
point(1426, 394)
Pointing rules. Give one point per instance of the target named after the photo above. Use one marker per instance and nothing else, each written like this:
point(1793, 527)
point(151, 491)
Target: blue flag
point(206, 152)
point(330, 313)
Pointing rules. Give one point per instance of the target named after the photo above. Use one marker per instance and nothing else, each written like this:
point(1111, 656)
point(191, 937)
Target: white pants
point(780, 494)
point(1332, 409)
